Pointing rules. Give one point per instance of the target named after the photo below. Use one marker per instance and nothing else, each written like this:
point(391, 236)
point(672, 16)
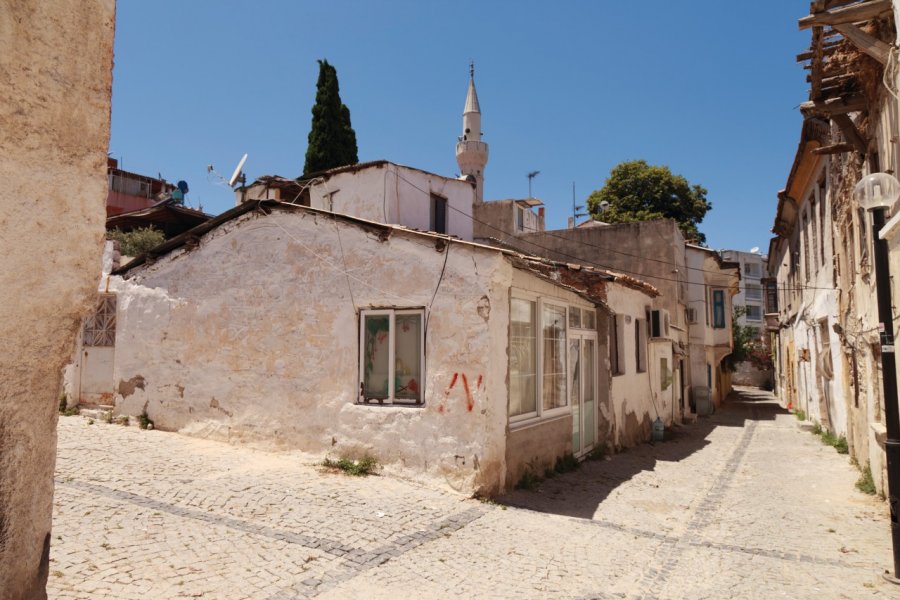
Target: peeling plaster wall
point(253, 337)
point(389, 193)
point(634, 399)
point(55, 80)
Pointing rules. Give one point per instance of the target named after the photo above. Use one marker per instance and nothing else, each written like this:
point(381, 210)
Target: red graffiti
point(470, 402)
point(452, 383)
point(478, 385)
point(440, 408)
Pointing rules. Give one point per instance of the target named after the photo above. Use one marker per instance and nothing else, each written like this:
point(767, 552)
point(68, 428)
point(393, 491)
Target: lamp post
point(877, 193)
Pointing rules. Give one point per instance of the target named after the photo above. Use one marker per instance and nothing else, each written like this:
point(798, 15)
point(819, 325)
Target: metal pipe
point(889, 379)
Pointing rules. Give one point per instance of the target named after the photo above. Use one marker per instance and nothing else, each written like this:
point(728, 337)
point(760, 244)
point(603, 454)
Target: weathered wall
point(253, 337)
point(497, 219)
point(55, 78)
point(748, 374)
point(535, 447)
point(389, 193)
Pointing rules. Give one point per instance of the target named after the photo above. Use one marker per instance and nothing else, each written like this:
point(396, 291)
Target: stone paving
point(745, 504)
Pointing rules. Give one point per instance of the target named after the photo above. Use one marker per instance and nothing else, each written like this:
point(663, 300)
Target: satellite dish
point(237, 171)
point(183, 186)
point(604, 205)
point(754, 250)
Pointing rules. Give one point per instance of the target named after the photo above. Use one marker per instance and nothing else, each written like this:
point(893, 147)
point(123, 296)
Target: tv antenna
point(576, 207)
point(531, 176)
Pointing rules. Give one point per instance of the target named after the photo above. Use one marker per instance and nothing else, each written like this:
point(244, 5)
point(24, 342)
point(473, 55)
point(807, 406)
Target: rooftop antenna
point(472, 69)
point(576, 207)
point(531, 176)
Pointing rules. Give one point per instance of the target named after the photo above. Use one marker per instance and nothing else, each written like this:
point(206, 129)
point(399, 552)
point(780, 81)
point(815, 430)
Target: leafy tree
point(332, 141)
point(637, 191)
point(746, 345)
point(136, 241)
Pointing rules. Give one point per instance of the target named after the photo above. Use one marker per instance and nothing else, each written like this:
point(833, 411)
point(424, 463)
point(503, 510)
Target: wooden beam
point(834, 148)
point(865, 42)
point(847, 14)
point(851, 133)
point(835, 106)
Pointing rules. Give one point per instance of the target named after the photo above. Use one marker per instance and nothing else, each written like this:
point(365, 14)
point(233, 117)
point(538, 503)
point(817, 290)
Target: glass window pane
point(408, 357)
point(574, 317)
point(522, 358)
point(588, 319)
point(377, 355)
point(554, 346)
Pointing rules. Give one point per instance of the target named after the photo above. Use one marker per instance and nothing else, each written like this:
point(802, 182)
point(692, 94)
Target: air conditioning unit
point(659, 323)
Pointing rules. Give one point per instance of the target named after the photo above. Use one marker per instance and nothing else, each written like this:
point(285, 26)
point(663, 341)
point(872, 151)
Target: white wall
point(389, 193)
point(253, 337)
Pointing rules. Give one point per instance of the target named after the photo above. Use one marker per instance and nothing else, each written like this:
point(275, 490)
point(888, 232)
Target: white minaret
point(471, 152)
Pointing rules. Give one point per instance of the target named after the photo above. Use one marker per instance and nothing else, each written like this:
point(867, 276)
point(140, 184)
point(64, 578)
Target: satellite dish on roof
point(754, 250)
point(183, 186)
point(237, 171)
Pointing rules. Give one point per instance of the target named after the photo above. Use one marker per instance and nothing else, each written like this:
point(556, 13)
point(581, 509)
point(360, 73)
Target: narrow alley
point(744, 504)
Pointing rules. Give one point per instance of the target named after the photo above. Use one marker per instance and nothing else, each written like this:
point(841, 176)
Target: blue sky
point(567, 88)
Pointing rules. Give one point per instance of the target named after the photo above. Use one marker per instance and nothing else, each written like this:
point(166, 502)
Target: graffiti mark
point(470, 401)
point(440, 408)
point(478, 384)
point(452, 383)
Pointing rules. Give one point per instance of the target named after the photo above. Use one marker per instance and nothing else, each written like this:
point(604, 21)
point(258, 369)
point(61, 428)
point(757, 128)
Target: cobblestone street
point(711, 513)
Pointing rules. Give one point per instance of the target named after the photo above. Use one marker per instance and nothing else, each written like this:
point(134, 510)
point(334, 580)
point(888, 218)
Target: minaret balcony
point(470, 146)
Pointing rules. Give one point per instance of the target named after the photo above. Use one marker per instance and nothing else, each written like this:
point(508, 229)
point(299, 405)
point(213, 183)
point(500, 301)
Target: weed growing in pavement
point(800, 414)
point(63, 403)
point(144, 421)
point(90, 421)
point(566, 463)
point(839, 443)
point(528, 481)
point(108, 417)
point(817, 428)
point(866, 484)
point(598, 453)
point(71, 412)
point(359, 468)
point(123, 420)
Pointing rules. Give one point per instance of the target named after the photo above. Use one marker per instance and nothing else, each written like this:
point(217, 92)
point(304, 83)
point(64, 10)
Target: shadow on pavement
point(580, 493)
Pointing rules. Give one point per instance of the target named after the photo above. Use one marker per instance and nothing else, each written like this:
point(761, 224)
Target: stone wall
point(55, 89)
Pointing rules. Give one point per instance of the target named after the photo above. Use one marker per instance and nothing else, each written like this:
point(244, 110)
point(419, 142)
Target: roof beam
point(851, 133)
point(835, 106)
point(847, 14)
point(865, 42)
point(833, 149)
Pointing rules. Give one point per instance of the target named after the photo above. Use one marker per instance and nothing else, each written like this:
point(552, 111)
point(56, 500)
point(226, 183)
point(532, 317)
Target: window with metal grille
point(100, 327)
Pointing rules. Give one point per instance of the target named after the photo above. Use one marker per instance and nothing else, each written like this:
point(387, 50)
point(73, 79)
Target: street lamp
point(877, 193)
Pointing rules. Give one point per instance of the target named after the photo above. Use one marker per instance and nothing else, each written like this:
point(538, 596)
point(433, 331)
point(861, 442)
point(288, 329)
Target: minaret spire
point(471, 152)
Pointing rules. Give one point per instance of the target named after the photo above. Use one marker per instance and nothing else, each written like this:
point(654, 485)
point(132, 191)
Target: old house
point(293, 327)
point(828, 348)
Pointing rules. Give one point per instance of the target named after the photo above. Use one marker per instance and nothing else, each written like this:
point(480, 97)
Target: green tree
point(136, 241)
point(332, 141)
point(637, 191)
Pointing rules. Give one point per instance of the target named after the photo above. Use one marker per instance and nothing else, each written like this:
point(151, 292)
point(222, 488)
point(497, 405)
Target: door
point(583, 390)
point(98, 353)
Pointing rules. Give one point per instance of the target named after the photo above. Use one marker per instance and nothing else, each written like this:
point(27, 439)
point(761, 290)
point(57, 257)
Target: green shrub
point(817, 428)
point(359, 468)
point(145, 421)
point(63, 403)
point(800, 414)
point(136, 241)
point(598, 453)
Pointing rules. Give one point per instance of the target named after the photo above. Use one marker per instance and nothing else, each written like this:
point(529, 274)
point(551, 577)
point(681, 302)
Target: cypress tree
point(332, 141)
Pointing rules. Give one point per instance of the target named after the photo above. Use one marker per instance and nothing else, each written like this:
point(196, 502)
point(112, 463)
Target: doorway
point(583, 390)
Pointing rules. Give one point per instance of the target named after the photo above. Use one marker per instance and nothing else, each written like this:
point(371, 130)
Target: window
point(718, 307)
point(392, 356)
point(100, 328)
point(574, 317)
point(538, 376)
point(751, 269)
point(640, 344)
point(438, 214)
point(690, 315)
point(617, 344)
point(553, 333)
point(771, 296)
point(863, 235)
point(753, 291)
point(754, 312)
point(520, 218)
point(522, 357)
point(814, 258)
point(822, 196)
point(806, 245)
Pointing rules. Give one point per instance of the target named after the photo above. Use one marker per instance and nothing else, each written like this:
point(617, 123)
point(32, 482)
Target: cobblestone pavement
point(745, 504)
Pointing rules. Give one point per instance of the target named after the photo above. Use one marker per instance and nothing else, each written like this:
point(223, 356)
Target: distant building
point(750, 296)
point(130, 191)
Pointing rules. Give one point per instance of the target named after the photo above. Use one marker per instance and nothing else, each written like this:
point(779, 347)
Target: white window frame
point(391, 313)
point(541, 414)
